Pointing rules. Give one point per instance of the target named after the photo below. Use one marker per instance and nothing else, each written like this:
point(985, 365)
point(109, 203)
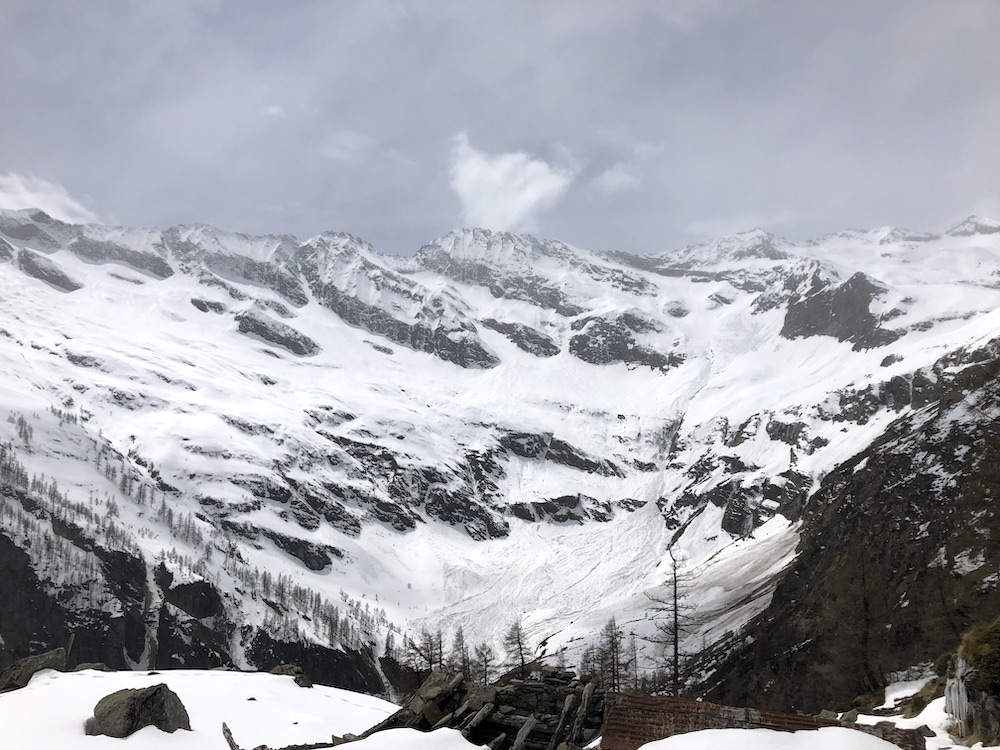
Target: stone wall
point(632, 720)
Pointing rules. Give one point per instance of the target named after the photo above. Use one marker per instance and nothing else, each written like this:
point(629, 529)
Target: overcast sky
point(612, 125)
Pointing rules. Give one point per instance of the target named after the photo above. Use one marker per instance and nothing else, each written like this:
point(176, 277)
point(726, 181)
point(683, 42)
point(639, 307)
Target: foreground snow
point(933, 717)
point(259, 709)
point(830, 738)
point(269, 709)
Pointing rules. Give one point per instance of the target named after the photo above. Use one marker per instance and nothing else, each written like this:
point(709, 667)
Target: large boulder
point(20, 672)
point(127, 711)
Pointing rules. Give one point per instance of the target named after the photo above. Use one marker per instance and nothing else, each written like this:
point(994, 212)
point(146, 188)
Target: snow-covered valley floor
point(270, 709)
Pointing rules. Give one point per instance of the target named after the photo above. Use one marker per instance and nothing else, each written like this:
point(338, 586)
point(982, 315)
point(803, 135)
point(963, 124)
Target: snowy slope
point(258, 708)
point(498, 426)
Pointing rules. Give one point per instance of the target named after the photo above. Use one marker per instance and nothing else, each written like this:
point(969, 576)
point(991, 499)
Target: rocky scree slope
point(262, 448)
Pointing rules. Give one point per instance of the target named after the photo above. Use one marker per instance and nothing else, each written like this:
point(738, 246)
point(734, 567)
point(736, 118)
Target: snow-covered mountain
point(216, 446)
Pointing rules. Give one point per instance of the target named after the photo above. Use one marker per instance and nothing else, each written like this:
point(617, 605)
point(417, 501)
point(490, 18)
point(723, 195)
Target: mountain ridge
point(458, 433)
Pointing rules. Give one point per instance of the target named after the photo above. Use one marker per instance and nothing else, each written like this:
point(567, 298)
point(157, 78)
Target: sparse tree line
point(292, 612)
point(478, 662)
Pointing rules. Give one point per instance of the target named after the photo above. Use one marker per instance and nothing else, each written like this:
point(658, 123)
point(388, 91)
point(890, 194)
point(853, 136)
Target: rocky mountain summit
point(225, 449)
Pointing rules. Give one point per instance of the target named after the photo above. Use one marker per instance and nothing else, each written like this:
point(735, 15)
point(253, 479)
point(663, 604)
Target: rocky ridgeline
point(549, 709)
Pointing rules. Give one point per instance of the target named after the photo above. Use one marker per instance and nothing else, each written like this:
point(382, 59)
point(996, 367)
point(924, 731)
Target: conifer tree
point(483, 663)
point(459, 661)
point(515, 643)
point(674, 619)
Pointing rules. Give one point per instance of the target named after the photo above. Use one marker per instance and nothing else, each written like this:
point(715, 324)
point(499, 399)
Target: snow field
point(258, 708)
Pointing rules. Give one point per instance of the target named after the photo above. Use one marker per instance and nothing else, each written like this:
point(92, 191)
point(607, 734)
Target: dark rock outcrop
point(125, 712)
point(197, 598)
point(267, 275)
point(525, 337)
point(109, 252)
point(606, 341)
point(208, 305)
point(18, 674)
point(890, 571)
point(275, 332)
point(547, 447)
point(41, 268)
point(352, 670)
point(29, 232)
point(842, 312)
point(436, 326)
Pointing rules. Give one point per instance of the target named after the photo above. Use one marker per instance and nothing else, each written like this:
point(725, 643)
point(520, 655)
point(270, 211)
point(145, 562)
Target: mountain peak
point(496, 248)
point(753, 244)
point(975, 225)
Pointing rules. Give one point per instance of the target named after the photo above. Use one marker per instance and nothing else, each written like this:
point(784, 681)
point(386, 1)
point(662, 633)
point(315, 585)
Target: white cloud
point(346, 145)
point(273, 111)
point(20, 191)
point(506, 191)
point(616, 179)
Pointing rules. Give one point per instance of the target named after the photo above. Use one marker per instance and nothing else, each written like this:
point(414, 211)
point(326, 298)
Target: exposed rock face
point(34, 612)
point(18, 674)
point(501, 262)
point(191, 628)
point(538, 713)
point(605, 341)
point(110, 252)
point(276, 332)
point(525, 337)
point(28, 229)
point(842, 312)
point(885, 537)
point(547, 447)
point(345, 279)
point(127, 711)
point(353, 670)
point(197, 598)
point(40, 267)
point(208, 305)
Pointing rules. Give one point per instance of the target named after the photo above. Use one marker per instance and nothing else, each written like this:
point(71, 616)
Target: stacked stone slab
point(548, 709)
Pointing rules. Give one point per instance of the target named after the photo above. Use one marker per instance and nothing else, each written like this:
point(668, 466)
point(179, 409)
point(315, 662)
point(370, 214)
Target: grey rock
point(124, 712)
point(43, 269)
point(20, 672)
point(275, 332)
point(525, 337)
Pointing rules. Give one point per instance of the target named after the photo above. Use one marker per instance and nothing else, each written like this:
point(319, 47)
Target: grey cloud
point(314, 115)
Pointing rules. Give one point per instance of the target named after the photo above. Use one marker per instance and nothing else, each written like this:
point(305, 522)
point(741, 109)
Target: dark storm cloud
point(636, 125)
